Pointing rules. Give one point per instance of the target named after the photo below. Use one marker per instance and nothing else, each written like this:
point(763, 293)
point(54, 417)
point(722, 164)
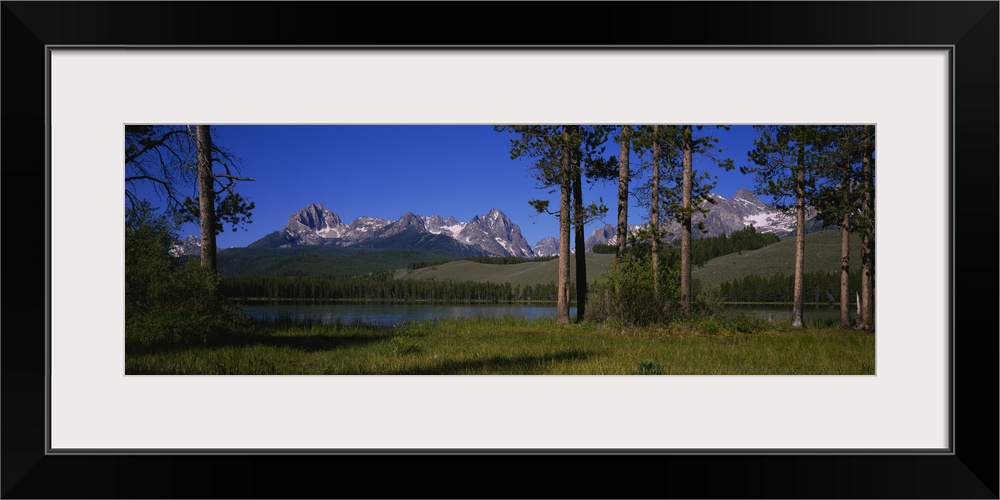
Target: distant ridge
point(492, 233)
point(724, 216)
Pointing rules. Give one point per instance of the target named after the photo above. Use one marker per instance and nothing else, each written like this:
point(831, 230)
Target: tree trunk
point(206, 195)
point(654, 216)
point(867, 320)
point(800, 237)
point(565, 189)
point(845, 235)
point(623, 180)
point(579, 237)
point(845, 271)
point(686, 224)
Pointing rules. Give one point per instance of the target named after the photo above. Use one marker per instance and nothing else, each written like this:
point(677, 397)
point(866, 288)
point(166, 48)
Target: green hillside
point(319, 261)
point(822, 254)
point(528, 273)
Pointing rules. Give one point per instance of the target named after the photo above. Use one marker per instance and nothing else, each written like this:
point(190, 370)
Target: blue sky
point(386, 171)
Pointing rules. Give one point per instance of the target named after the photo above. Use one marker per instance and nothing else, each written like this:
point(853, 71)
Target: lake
point(809, 312)
point(394, 314)
point(391, 314)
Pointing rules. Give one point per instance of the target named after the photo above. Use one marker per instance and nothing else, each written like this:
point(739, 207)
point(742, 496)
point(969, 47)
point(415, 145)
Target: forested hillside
point(822, 255)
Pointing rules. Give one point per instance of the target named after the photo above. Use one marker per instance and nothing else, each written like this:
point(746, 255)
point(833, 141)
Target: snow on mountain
point(724, 217)
point(546, 246)
point(744, 209)
point(495, 234)
point(187, 246)
point(492, 233)
point(312, 226)
point(440, 225)
point(606, 235)
point(765, 218)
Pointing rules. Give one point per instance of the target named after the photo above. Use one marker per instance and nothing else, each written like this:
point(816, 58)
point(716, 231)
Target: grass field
point(528, 273)
point(511, 346)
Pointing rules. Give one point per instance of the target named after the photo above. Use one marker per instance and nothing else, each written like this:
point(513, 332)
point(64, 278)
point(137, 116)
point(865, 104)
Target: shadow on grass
point(497, 365)
point(304, 343)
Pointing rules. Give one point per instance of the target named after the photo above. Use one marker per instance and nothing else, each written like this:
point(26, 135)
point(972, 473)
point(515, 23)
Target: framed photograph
point(924, 74)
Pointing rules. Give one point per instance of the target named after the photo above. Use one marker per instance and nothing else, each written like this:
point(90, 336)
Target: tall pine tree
point(695, 191)
point(551, 147)
point(173, 157)
point(207, 209)
point(621, 233)
point(786, 160)
point(652, 144)
point(867, 228)
point(836, 199)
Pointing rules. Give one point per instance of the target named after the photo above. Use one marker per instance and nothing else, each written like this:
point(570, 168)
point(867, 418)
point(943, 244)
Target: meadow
point(515, 346)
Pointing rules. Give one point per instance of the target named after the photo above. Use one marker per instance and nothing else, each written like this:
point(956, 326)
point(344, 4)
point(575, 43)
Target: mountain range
point(490, 234)
point(187, 246)
point(723, 217)
point(494, 234)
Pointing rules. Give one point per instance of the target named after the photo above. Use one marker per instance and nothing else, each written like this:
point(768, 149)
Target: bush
point(709, 302)
point(625, 293)
point(167, 301)
point(649, 367)
point(748, 323)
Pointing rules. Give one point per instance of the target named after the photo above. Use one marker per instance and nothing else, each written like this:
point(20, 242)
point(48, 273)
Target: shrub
point(709, 302)
point(649, 367)
point(625, 293)
point(167, 301)
point(748, 323)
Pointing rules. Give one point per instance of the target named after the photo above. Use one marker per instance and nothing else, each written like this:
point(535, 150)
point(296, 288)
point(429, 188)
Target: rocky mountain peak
point(190, 245)
point(492, 233)
point(314, 217)
point(546, 246)
point(411, 221)
point(495, 233)
point(745, 194)
point(436, 220)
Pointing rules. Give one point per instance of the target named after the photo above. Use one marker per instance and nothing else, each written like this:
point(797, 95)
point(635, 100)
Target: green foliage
point(507, 260)
point(148, 237)
point(709, 301)
point(540, 206)
point(184, 308)
point(166, 301)
point(381, 287)
point(746, 239)
point(749, 323)
point(605, 249)
point(233, 209)
point(625, 293)
point(818, 287)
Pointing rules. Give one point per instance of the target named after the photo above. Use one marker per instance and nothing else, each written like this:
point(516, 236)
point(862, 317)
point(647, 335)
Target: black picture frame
point(970, 471)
